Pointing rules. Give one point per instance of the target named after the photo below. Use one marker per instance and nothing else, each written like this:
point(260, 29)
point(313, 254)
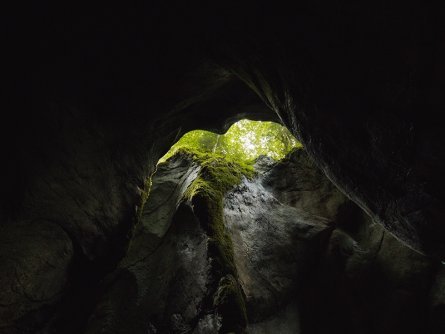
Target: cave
point(110, 222)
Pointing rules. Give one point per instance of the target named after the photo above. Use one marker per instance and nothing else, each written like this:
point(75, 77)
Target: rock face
point(168, 282)
point(437, 298)
point(29, 250)
point(368, 282)
point(94, 92)
point(302, 252)
point(276, 244)
point(161, 286)
point(160, 292)
point(96, 96)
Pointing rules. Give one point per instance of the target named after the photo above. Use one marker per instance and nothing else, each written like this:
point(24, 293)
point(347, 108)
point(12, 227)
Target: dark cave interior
point(345, 235)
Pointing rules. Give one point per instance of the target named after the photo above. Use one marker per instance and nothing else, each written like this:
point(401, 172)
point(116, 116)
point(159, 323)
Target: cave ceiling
point(360, 85)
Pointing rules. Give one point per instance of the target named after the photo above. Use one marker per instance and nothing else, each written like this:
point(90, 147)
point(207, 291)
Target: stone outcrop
point(168, 282)
point(298, 250)
point(301, 251)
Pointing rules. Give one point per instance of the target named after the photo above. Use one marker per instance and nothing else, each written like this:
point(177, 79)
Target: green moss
point(210, 213)
point(229, 300)
point(225, 160)
point(218, 175)
point(196, 141)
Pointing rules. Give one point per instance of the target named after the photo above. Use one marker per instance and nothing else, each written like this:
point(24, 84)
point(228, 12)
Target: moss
point(229, 300)
point(219, 174)
point(224, 161)
point(220, 244)
point(222, 169)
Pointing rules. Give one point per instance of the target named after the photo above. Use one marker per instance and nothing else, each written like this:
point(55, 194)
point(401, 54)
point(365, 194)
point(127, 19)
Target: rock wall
point(96, 95)
point(307, 260)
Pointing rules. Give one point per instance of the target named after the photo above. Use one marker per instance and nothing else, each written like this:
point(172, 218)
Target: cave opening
point(344, 235)
point(244, 141)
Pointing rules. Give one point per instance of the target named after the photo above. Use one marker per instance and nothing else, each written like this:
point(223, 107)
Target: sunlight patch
point(244, 141)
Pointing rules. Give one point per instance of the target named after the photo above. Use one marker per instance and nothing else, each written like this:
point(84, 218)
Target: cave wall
point(97, 94)
point(306, 258)
point(364, 96)
point(368, 77)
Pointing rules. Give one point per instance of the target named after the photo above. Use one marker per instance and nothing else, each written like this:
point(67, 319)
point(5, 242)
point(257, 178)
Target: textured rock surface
point(363, 94)
point(302, 252)
point(362, 100)
point(298, 183)
point(168, 185)
point(284, 321)
point(162, 281)
point(437, 296)
point(368, 282)
point(97, 95)
point(162, 292)
point(34, 264)
point(276, 244)
point(167, 281)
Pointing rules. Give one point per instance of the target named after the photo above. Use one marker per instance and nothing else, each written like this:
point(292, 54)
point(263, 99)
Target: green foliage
point(247, 140)
point(218, 173)
point(197, 141)
point(243, 142)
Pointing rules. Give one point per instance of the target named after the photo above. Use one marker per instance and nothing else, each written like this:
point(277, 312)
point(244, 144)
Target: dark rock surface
point(162, 281)
point(297, 182)
point(276, 244)
point(368, 282)
point(166, 191)
point(162, 292)
point(34, 267)
point(302, 251)
point(360, 85)
point(168, 280)
point(96, 95)
point(162, 284)
point(437, 300)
